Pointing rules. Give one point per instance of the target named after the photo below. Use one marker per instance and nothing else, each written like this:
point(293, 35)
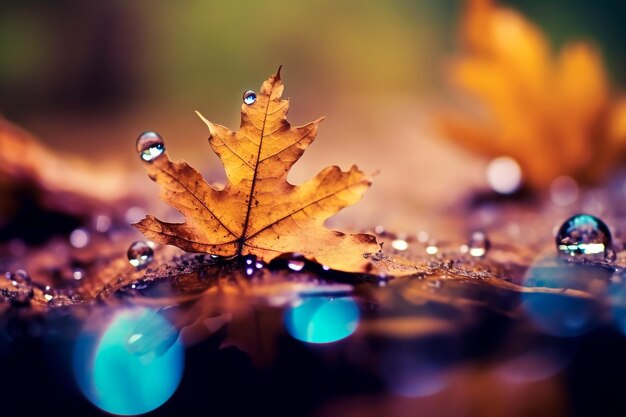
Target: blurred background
point(87, 77)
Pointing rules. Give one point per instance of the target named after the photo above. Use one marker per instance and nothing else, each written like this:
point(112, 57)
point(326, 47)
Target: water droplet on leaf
point(249, 97)
point(140, 254)
point(22, 290)
point(150, 146)
point(478, 245)
point(584, 235)
point(296, 263)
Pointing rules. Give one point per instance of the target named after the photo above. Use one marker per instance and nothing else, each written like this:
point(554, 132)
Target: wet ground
point(501, 320)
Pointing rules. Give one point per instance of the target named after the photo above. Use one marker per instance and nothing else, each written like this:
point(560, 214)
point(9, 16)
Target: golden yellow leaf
point(258, 212)
point(554, 115)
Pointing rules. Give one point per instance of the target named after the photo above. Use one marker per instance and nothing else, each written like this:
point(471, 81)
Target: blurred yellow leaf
point(556, 115)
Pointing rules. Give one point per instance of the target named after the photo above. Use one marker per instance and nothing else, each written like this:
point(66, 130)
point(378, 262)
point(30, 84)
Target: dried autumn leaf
point(258, 212)
point(555, 116)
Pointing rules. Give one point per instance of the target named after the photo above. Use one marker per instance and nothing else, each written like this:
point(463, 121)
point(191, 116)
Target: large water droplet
point(478, 244)
point(140, 254)
point(249, 97)
point(584, 235)
point(150, 146)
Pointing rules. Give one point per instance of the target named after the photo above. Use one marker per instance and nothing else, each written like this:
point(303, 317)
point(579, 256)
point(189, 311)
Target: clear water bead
point(296, 262)
point(150, 146)
point(140, 254)
point(478, 245)
point(584, 235)
point(22, 290)
point(249, 97)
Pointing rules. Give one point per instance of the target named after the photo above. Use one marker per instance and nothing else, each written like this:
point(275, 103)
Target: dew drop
point(249, 97)
point(150, 146)
point(48, 293)
point(140, 254)
point(478, 244)
point(22, 290)
point(296, 263)
point(584, 235)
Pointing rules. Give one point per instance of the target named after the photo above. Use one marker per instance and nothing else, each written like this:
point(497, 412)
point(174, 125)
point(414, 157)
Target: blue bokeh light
point(559, 314)
point(322, 319)
point(133, 367)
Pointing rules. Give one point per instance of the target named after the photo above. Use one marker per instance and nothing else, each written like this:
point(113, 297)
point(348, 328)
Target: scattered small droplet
point(60, 300)
point(19, 277)
point(48, 293)
point(23, 288)
point(296, 262)
point(478, 245)
point(584, 235)
point(79, 238)
point(400, 244)
point(249, 97)
point(150, 146)
point(140, 254)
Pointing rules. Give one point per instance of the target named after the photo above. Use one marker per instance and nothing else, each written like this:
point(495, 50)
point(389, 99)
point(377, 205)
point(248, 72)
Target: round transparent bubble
point(322, 319)
point(133, 366)
point(559, 314)
point(249, 97)
point(140, 254)
point(584, 236)
point(150, 146)
point(478, 245)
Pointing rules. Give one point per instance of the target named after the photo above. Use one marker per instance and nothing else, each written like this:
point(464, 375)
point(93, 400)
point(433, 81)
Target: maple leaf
point(555, 115)
point(258, 212)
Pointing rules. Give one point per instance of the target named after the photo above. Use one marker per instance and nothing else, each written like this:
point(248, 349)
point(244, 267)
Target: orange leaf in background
point(554, 115)
point(63, 182)
point(258, 212)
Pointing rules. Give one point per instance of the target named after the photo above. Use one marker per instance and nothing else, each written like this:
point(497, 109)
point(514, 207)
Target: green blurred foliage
point(107, 56)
